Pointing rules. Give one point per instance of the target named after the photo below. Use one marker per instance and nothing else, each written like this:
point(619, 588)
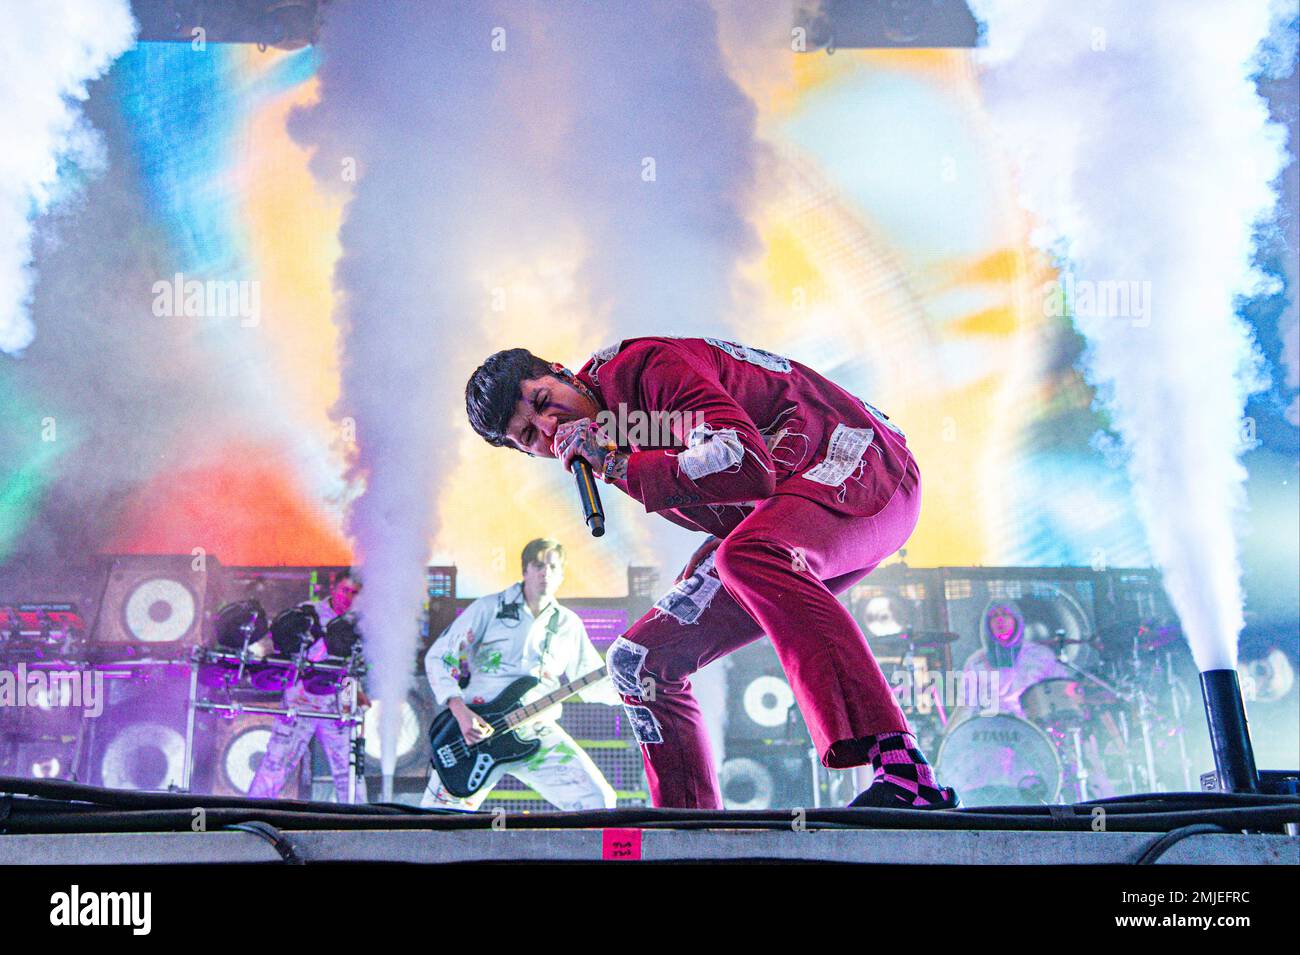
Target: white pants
point(561, 773)
point(289, 741)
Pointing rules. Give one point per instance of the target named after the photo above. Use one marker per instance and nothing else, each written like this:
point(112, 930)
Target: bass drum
point(999, 761)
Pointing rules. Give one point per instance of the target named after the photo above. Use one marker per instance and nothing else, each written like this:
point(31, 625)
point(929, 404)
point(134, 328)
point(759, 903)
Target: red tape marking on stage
point(621, 845)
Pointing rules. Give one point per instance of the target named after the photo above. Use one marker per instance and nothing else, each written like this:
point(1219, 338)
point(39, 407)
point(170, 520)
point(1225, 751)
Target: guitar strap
point(552, 628)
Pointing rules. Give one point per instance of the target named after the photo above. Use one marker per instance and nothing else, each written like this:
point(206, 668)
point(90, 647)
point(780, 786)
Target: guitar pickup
point(481, 767)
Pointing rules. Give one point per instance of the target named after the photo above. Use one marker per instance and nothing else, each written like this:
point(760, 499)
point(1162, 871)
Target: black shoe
point(886, 795)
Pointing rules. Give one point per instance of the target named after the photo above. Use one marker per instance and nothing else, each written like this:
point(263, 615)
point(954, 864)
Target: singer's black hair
point(493, 392)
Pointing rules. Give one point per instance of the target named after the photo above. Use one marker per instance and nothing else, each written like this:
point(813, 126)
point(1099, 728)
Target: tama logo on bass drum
point(997, 736)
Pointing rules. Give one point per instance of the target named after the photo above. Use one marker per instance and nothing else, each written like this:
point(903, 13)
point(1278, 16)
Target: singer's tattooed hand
point(618, 470)
point(585, 439)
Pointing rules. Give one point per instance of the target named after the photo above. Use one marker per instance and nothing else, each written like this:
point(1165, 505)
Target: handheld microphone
point(592, 512)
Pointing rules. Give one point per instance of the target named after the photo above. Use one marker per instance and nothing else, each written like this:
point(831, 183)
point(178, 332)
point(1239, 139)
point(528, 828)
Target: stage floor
point(877, 846)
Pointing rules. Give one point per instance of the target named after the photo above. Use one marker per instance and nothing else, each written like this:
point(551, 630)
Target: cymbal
point(1136, 626)
point(930, 638)
point(1090, 640)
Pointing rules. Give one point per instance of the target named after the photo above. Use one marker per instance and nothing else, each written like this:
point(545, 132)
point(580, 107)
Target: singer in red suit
point(803, 489)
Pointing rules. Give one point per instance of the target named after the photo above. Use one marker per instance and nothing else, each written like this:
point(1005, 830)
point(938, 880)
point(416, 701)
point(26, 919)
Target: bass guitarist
point(522, 631)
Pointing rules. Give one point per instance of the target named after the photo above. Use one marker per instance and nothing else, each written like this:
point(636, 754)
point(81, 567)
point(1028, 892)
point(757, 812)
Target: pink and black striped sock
point(900, 767)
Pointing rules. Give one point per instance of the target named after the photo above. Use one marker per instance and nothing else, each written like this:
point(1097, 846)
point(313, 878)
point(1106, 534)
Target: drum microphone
point(592, 512)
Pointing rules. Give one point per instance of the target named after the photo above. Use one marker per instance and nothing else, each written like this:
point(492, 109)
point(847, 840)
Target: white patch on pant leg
point(691, 596)
point(624, 663)
point(645, 727)
point(843, 455)
point(708, 452)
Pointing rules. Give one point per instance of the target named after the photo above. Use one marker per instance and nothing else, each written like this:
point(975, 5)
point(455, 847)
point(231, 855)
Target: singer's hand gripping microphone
point(592, 512)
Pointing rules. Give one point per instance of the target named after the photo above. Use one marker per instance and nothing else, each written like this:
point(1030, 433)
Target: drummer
point(291, 735)
point(1016, 664)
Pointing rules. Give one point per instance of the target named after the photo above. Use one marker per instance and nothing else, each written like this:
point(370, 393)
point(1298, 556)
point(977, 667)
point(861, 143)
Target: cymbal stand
point(245, 654)
point(1144, 715)
point(191, 707)
point(1090, 677)
point(1177, 697)
point(1127, 738)
point(816, 765)
point(357, 751)
point(1080, 767)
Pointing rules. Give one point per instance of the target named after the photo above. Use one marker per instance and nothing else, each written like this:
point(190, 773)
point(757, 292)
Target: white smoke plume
point(1146, 153)
point(1283, 91)
point(49, 51)
point(488, 134)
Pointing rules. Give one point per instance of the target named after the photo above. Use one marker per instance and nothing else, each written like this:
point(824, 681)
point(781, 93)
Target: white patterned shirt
point(497, 640)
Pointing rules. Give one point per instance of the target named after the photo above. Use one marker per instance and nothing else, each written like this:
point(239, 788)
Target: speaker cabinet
point(235, 747)
point(37, 594)
point(760, 704)
point(38, 759)
point(767, 775)
point(153, 606)
point(138, 741)
point(766, 763)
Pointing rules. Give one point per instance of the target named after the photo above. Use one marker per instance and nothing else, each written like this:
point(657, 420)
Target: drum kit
point(245, 656)
point(1112, 725)
point(232, 658)
point(237, 669)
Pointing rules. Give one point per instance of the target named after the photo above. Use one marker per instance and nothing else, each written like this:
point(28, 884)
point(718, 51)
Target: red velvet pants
point(777, 573)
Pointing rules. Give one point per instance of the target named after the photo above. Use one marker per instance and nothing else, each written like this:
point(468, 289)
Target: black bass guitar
point(464, 767)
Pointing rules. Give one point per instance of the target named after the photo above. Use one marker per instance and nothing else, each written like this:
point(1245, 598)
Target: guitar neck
point(524, 713)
